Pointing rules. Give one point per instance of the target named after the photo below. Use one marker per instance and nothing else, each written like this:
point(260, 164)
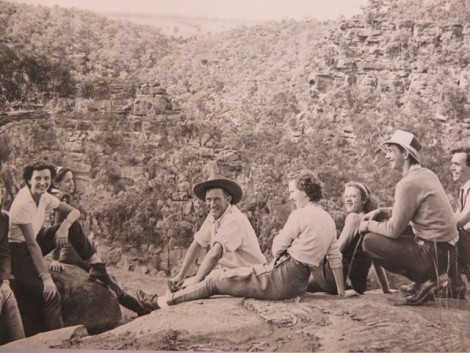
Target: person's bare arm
point(50, 290)
point(210, 261)
point(350, 229)
point(191, 255)
point(339, 279)
point(73, 215)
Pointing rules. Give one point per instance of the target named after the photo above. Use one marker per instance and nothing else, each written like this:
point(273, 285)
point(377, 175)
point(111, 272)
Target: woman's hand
point(50, 289)
point(56, 266)
point(61, 237)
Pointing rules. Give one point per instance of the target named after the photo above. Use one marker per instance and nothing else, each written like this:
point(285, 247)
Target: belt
point(443, 245)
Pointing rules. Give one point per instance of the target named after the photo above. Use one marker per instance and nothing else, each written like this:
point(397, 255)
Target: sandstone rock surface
point(83, 303)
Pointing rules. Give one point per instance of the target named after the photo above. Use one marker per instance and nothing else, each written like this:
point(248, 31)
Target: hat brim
point(232, 188)
point(392, 142)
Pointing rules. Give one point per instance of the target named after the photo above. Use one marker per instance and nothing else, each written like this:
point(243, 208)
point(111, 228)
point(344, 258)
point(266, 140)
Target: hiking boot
point(423, 292)
point(98, 272)
point(132, 303)
point(409, 289)
point(148, 301)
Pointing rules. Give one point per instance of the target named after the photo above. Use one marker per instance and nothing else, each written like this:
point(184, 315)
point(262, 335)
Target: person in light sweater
point(418, 236)
point(307, 237)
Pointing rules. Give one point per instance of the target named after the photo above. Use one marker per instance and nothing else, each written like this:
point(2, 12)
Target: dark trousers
point(356, 265)
point(463, 246)
point(419, 260)
point(27, 276)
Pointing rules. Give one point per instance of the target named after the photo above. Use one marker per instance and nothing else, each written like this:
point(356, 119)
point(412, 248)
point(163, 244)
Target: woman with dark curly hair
point(358, 201)
point(30, 241)
point(307, 237)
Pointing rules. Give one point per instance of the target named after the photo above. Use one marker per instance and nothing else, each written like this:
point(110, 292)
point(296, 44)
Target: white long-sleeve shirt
point(308, 235)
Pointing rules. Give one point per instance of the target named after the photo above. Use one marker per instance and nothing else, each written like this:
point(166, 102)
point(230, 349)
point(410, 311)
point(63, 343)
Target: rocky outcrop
point(83, 303)
point(49, 339)
point(312, 322)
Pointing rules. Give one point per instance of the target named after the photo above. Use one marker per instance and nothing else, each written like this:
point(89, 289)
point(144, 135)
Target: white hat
point(406, 140)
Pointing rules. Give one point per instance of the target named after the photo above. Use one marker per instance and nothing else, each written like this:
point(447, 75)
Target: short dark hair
point(465, 150)
point(40, 165)
point(308, 182)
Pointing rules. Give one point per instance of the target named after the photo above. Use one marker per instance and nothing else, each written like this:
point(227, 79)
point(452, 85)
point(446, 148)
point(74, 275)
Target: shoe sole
point(141, 298)
point(424, 298)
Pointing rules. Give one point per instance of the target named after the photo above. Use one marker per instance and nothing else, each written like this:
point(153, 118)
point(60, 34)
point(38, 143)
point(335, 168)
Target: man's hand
point(5, 285)
point(61, 237)
point(50, 290)
point(363, 227)
point(175, 283)
point(56, 266)
point(372, 215)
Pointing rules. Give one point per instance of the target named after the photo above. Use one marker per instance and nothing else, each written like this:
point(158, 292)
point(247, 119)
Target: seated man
point(460, 169)
point(226, 230)
point(10, 318)
point(30, 241)
point(428, 250)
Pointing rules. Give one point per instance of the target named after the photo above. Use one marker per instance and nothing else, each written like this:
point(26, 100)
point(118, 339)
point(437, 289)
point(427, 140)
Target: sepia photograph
point(221, 175)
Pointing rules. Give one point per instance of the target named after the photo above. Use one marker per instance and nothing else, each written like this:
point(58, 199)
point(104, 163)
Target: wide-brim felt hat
point(406, 140)
point(231, 186)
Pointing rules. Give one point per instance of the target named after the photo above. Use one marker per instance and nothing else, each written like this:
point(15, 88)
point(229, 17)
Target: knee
point(75, 227)
point(369, 243)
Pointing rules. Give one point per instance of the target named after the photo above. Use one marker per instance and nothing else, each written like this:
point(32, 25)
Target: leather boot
point(131, 303)
point(423, 292)
point(149, 301)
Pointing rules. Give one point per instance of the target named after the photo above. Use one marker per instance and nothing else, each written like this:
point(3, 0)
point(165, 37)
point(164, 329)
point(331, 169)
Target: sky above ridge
point(230, 9)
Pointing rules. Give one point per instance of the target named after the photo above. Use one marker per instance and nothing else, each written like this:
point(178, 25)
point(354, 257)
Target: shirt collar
point(218, 220)
point(29, 196)
point(466, 185)
point(413, 168)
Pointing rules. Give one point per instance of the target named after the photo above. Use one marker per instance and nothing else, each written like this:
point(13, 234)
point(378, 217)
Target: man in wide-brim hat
point(226, 232)
point(421, 202)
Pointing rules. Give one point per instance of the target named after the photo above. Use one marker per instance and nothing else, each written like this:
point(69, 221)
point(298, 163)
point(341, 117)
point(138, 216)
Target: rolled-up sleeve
point(229, 236)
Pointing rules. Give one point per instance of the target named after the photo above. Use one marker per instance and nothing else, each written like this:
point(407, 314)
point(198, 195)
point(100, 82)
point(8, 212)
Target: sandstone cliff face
point(321, 96)
point(119, 147)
